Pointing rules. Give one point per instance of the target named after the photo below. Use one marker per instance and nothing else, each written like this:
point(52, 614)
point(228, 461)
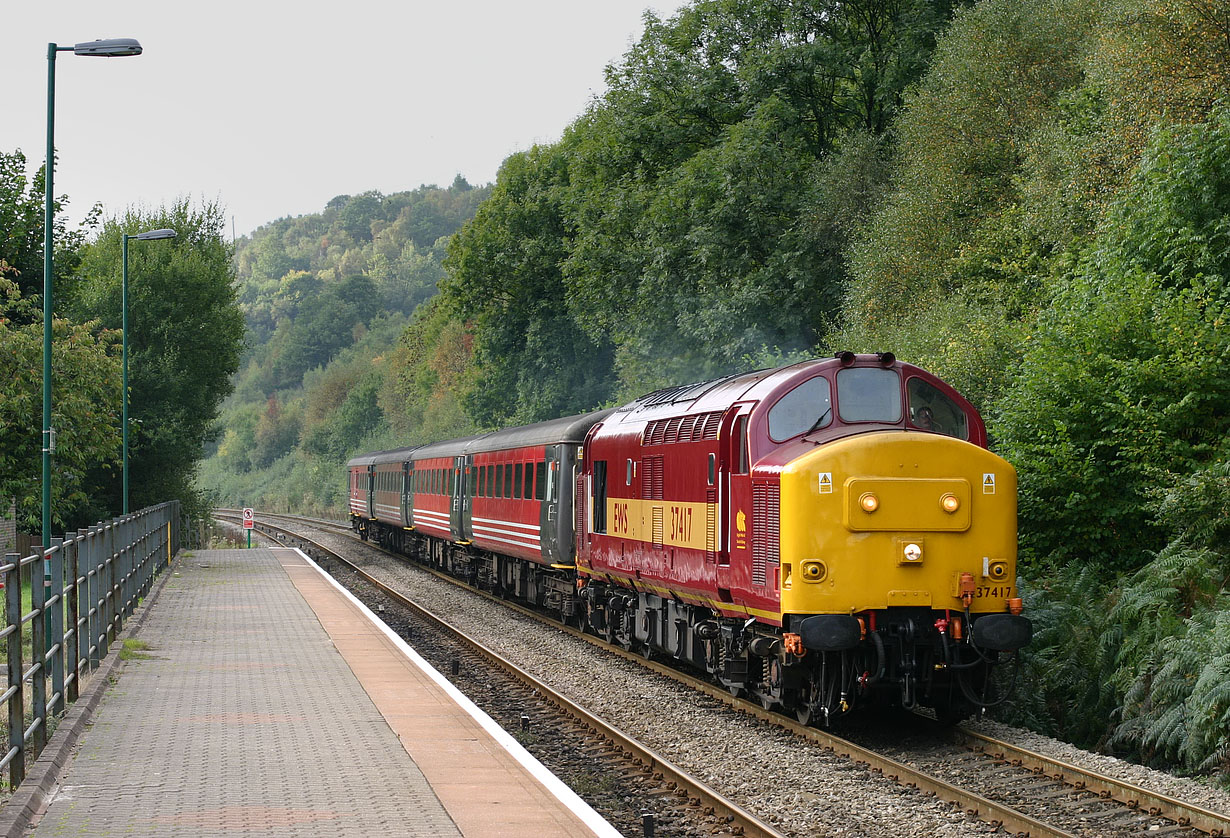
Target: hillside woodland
point(1029, 197)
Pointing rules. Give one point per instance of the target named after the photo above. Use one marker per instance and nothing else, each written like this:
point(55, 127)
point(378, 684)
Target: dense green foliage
point(85, 375)
point(1030, 197)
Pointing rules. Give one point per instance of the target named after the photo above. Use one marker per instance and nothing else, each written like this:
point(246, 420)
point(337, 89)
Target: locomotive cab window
point(931, 410)
point(599, 522)
point(807, 407)
point(741, 445)
point(869, 394)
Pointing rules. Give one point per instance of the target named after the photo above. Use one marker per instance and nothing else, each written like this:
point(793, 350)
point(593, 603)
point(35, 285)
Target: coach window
point(529, 481)
point(508, 480)
point(600, 496)
point(540, 479)
point(517, 477)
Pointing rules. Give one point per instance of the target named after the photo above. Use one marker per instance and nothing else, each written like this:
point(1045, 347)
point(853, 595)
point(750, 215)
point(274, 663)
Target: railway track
point(1064, 799)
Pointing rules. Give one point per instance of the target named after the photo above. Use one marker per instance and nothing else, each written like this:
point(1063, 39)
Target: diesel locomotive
point(821, 536)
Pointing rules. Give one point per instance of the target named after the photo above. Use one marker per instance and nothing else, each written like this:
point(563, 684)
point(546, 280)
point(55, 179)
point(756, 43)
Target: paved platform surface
point(268, 703)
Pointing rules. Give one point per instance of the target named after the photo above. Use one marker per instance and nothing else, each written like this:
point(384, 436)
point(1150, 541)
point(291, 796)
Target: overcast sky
point(272, 108)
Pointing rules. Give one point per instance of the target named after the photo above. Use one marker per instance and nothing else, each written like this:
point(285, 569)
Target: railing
point(109, 567)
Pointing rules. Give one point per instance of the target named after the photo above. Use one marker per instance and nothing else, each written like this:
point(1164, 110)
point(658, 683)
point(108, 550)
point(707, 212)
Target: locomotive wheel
point(804, 714)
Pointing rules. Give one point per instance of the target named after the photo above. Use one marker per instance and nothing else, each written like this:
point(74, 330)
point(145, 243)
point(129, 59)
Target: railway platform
point(260, 698)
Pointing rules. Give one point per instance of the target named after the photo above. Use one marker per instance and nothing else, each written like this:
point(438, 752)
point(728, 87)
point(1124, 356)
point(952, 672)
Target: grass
point(134, 650)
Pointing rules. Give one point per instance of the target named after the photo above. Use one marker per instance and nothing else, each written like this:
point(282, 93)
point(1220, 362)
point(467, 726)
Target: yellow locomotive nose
point(898, 517)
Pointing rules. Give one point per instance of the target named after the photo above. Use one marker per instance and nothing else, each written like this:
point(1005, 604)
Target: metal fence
point(92, 581)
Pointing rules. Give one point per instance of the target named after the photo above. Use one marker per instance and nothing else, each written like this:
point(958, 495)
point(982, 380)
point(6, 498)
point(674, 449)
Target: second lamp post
point(141, 237)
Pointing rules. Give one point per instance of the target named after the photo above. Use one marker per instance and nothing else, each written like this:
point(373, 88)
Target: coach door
point(460, 522)
point(550, 525)
point(407, 494)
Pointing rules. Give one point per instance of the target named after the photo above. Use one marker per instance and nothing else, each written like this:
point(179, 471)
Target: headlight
point(912, 552)
point(950, 503)
point(869, 502)
point(814, 571)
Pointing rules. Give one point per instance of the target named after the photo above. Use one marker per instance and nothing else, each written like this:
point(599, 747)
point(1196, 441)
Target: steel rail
point(658, 765)
point(1133, 796)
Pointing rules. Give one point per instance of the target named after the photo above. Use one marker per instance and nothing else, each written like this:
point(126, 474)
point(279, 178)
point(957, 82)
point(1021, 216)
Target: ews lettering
point(621, 518)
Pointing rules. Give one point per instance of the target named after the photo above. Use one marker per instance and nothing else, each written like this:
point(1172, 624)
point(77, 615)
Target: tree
point(21, 226)
point(185, 337)
point(1126, 386)
point(531, 360)
point(85, 375)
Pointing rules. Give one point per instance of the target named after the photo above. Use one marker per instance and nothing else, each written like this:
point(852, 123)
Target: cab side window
point(600, 491)
point(931, 410)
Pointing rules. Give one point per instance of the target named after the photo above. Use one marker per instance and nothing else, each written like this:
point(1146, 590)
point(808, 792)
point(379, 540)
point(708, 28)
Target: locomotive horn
point(886, 358)
point(846, 358)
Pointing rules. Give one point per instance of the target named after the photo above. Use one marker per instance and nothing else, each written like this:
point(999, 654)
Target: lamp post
point(109, 48)
point(148, 235)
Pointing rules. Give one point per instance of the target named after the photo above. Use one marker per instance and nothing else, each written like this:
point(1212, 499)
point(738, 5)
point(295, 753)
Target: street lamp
point(109, 48)
point(148, 235)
